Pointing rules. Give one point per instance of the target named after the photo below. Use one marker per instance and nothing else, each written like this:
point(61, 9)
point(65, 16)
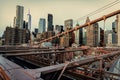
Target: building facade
point(110, 38)
point(81, 36)
point(68, 24)
point(92, 34)
point(50, 22)
point(14, 22)
point(29, 20)
point(19, 16)
point(42, 25)
point(58, 29)
point(102, 43)
point(69, 36)
point(36, 30)
point(16, 36)
point(84, 36)
point(118, 29)
point(25, 25)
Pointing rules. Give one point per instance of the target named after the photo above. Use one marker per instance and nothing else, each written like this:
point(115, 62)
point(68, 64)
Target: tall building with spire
point(29, 20)
point(19, 16)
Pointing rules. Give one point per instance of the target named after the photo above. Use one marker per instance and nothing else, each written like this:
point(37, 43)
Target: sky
point(61, 10)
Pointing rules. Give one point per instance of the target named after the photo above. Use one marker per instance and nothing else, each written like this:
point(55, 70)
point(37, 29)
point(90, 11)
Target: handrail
point(5, 76)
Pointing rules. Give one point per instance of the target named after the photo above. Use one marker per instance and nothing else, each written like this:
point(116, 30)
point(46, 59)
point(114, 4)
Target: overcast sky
point(61, 10)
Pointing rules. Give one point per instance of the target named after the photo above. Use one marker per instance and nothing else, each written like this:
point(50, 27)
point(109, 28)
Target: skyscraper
point(58, 29)
point(16, 36)
point(81, 36)
point(84, 36)
point(68, 24)
point(25, 25)
point(70, 37)
point(14, 22)
point(50, 22)
point(29, 20)
point(36, 30)
point(114, 26)
point(42, 25)
point(19, 16)
point(102, 43)
point(92, 33)
point(118, 29)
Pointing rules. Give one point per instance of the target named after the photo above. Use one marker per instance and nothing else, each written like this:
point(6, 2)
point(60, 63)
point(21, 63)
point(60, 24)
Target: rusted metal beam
point(74, 64)
point(63, 70)
point(84, 25)
point(3, 74)
point(79, 76)
point(111, 73)
point(14, 71)
point(105, 72)
point(39, 53)
point(29, 50)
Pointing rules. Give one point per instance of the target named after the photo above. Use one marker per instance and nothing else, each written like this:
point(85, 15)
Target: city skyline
point(61, 10)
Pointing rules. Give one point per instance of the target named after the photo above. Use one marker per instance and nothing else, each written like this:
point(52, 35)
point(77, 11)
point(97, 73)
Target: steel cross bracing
point(31, 50)
point(39, 52)
point(90, 68)
point(46, 57)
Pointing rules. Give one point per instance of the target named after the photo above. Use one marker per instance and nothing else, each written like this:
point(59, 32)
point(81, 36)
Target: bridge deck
point(14, 71)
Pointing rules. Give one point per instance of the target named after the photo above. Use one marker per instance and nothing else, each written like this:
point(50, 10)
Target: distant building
point(36, 30)
point(58, 29)
point(96, 32)
point(45, 35)
point(84, 36)
point(110, 38)
point(14, 22)
point(114, 32)
point(50, 22)
point(0, 41)
point(70, 36)
point(19, 16)
point(114, 38)
point(114, 26)
point(108, 34)
point(102, 43)
point(68, 24)
point(25, 25)
point(92, 34)
point(29, 21)
point(81, 36)
point(42, 25)
point(118, 29)
point(16, 36)
point(64, 41)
